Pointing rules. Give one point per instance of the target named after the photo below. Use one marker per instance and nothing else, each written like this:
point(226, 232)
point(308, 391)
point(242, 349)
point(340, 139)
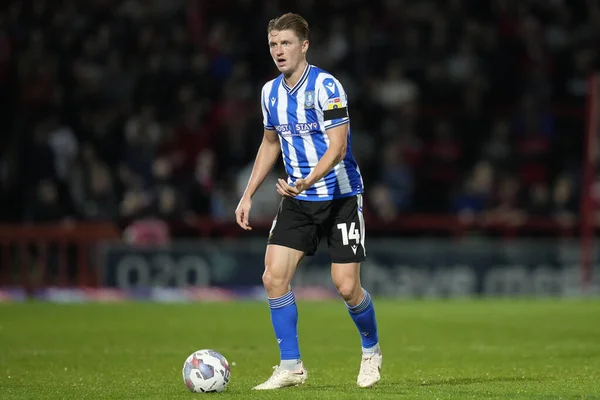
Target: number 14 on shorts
point(349, 233)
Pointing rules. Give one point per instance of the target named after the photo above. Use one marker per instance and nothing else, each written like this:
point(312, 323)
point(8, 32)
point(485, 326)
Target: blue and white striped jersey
point(301, 115)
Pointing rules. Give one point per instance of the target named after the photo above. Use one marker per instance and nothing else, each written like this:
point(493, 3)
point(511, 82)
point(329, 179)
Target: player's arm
point(333, 101)
point(338, 140)
point(334, 105)
point(267, 155)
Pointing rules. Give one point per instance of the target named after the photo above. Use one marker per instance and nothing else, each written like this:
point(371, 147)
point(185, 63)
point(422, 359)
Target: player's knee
point(348, 289)
point(273, 281)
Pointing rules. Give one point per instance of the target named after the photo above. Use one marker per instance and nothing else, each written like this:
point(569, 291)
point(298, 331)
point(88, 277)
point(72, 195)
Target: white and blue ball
point(206, 371)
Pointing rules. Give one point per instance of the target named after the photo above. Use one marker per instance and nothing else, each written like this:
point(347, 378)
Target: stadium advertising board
point(407, 268)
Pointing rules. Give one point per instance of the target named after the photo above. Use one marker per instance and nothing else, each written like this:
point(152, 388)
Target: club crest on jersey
point(309, 99)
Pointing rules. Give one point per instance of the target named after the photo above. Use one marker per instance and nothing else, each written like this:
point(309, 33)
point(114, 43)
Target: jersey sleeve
point(334, 103)
point(265, 111)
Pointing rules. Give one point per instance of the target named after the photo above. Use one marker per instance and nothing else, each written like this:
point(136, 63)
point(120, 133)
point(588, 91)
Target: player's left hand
point(291, 191)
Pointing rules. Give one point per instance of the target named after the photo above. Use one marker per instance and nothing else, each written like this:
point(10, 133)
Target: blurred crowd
point(119, 109)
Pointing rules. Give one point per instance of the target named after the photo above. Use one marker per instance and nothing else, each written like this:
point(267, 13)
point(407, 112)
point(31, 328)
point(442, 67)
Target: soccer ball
point(206, 371)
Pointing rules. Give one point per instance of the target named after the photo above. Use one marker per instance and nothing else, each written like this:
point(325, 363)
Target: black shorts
point(301, 224)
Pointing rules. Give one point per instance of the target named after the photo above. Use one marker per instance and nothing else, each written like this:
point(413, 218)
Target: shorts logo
point(309, 99)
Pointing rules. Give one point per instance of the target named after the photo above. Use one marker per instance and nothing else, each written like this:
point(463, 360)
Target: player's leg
point(291, 237)
point(347, 250)
point(280, 266)
point(346, 277)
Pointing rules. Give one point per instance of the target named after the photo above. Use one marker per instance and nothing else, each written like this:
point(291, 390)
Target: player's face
point(287, 50)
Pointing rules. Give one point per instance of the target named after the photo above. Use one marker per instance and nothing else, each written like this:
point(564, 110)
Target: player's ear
point(305, 46)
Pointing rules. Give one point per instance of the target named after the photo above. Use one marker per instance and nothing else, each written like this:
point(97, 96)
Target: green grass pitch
point(470, 349)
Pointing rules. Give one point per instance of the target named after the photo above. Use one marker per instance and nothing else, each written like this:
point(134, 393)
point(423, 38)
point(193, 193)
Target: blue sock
point(284, 316)
point(363, 315)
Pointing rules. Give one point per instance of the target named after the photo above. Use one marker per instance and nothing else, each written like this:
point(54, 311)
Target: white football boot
point(283, 378)
point(370, 370)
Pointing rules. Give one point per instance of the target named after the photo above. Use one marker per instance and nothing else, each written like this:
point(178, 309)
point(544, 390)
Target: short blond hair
point(292, 22)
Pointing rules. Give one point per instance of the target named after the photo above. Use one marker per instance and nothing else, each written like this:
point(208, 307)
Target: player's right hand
point(242, 212)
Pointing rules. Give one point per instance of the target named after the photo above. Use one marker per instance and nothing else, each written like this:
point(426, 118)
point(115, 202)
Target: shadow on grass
point(388, 386)
point(473, 380)
point(397, 388)
point(382, 388)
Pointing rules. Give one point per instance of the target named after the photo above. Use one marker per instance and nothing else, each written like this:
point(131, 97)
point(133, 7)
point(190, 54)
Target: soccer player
point(305, 116)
